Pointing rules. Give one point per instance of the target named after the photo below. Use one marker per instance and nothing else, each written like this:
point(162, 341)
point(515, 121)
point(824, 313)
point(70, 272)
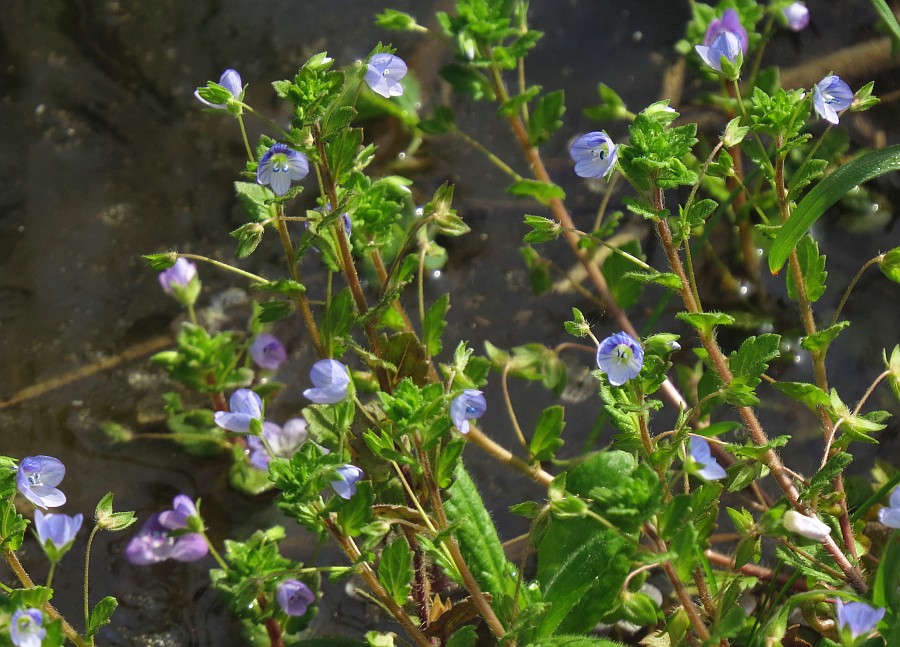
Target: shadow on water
point(106, 155)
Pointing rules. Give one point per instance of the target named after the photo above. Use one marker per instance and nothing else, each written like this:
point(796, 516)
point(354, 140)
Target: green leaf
point(249, 236)
point(734, 133)
point(698, 212)
point(100, 615)
point(573, 641)
point(805, 174)
point(705, 321)
point(546, 118)
point(466, 80)
point(546, 438)
point(107, 519)
point(356, 512)
point(890, 265)
point(287, 287)
point(889, 20)
point(578, 326)
point(398, 21)
point(643, 209)
point(818, 342)
point(885, 592)
point(254, 198)
point(812, 266)
point(808, 394)
point(543, 192)
point(752, 359)
point(477, 537)
point(467, 636)
point(825, 476)
point(161, 262)
point(625, 291)
point(274, 311)
point(542, 229)
point(434, 324)
point(665, 279)
point(395, 570)
point(825, 194)
point(612, 106)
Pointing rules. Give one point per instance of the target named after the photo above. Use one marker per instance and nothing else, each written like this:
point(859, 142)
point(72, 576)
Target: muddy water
point(106, 156)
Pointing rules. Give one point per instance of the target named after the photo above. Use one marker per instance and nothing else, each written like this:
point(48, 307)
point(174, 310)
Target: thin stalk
point(504, 386)
point(240, 120)
point(874, 261)
point(225, 266)
point(496, 161)
point(502, 454)
point(87, 574)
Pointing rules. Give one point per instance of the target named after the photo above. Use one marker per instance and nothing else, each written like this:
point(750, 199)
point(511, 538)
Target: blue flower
point(231, 81)
point(283, 441)
point(279, 166)
point(469, 405)
point(294, 597)
point(620, 357)
point(797, 16)
point(56, 532)
point(594, 154)
point(268, 352)
point(155, 542)
point(727, 45)
point(245, 406)
point(700, 451)
point(25, 628)
point(856, 619)
point(37, 479)
point(181, 282)
point(345, 486)
point(729, 22)
point(890, 515)
point(330, 381)
point(830, 96)
point(383, 75)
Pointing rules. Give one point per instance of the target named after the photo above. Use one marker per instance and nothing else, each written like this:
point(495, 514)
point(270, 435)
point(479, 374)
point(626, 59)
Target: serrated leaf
point(542, 230)
point(644, 210)
point(825, 194)
point(543, 192)
point(825, 476)
point(249, 236)
point(705, 321)
point(808, 394)
point(752, 359)
point(100, 615)
point(274, 311)
point(356, 512)
point(546, 440)
point(698, 212)
point(254, 198)
point(819, 341)
point(812, 266)
point(805, 174)
point(395, 571)
point(665, 279)
point(546, 118)
point(287, 287)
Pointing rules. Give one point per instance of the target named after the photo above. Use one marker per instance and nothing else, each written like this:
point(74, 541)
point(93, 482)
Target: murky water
point(106, 156)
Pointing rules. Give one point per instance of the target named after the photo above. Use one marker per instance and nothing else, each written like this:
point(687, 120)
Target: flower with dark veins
point(294, 597)
point(797, 16)
point(154, 542)
point(856, 619)
point(890, 515)
point(383, 74)
point(284, 441)
point(268, 352)
point(281, 165)
point(469, 405)
point(231, 81)
point(56, 532)
point(726, 45)
point(700, 452)
point(37, 478)
point(620, 357)
point(729, 22)
point(245, 405)
point(831, 96)
point(25, 628)
point(594, 154)
point(331, 382)
point(345, 486)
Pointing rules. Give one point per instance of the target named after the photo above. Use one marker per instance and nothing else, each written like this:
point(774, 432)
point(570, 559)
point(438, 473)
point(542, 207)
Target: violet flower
point(594, 154)
point(809, 527)
point(279, 166)
point(797, 16)
point(620, 357)
point(331, 382)
point(181, 282)
point(729, 22)
point(345, 486)
point(56, 532)
point(231, 81)
point(890, 515)
point(469, 405)
point(283, 441)
point(25, 628)
point(831, 96)
point(856, 619)
point(383, 74)
point(268, 352)
point(700, 451)
point(245, 406)
point(154, 542)
point(294, 597)
point(727, 45)
point(37, 479)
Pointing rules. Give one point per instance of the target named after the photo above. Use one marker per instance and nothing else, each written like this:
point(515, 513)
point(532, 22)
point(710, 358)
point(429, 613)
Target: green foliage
point(752, 359)
point(546, 439)
point(530, 362)
point(434, 324)
point(101, 615)
point(819, 341)
point(812, 267)
point(542, 229)
point(705, 321)
point(543, 192)
point(655, 155)
point(395, 569)
point(616, 268)
point(546, 118)
point(611, 105)
point(205, 362)
point(781, 114)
